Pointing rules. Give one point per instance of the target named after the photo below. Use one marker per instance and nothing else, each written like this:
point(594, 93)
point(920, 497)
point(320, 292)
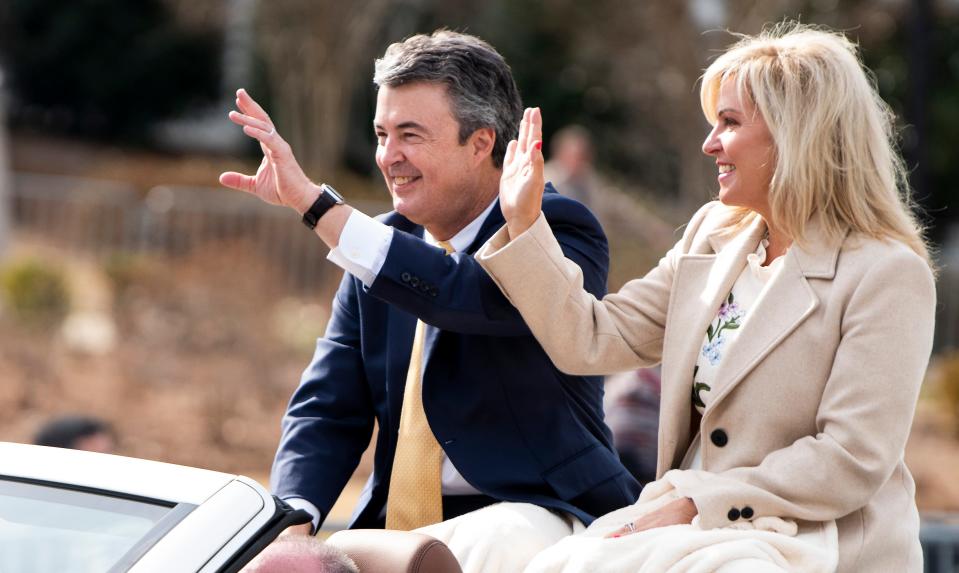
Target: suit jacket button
point(747, 512)
point(425, 287)
point(415, 282)
point(733, 514)
point(434, 291)
point(719, 438)
point(405, 277)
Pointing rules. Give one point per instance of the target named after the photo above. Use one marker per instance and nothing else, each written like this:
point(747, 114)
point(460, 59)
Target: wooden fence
point(103, 218)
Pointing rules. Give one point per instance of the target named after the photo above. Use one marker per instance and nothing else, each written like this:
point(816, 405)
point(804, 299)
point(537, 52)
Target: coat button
point(405, 277)
point(747, 512)
point(719, 438)
point(733, 514)
point(434, 292)
point(415, 282)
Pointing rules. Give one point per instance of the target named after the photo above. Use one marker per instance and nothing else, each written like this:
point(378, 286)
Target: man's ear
point(481, 143)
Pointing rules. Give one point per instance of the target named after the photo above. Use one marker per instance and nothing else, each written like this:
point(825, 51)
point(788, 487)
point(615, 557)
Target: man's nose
point(390, 152)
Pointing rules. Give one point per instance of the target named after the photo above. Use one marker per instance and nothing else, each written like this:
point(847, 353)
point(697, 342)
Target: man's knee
point(508, 523)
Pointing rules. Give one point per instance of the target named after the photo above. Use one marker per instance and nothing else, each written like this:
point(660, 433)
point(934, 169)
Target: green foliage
point(103, 67)
point(125, 271)
point(34, 292)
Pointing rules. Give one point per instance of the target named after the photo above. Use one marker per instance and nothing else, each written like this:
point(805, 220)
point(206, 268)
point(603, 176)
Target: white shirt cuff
point(364, 244)
point(300, 503)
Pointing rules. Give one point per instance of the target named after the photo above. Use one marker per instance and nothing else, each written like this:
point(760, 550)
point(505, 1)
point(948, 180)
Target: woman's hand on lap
point(677, 512)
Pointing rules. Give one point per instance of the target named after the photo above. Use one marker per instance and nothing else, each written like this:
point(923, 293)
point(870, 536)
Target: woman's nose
point(711, 146)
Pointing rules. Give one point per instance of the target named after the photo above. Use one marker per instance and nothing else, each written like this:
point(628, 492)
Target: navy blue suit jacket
point(515, 427)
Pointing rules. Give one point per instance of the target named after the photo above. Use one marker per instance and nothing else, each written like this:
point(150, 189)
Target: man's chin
point(404, 208)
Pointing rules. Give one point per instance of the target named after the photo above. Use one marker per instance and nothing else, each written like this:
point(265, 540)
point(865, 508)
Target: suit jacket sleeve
point(455, 294)
point(581, 333)
point(329, 421)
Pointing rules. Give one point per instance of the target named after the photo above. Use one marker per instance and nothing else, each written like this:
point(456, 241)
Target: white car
point(72, 511)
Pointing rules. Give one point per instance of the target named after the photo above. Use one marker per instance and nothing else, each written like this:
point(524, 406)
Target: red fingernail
point(538, 145)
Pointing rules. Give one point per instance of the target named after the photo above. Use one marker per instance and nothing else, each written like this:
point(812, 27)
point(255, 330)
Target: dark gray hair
point(479, 82)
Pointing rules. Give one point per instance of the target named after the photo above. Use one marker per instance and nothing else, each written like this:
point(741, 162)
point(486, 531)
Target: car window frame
point(175, 514)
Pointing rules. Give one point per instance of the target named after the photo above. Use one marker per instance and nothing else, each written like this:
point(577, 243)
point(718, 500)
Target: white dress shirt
point(364, 244)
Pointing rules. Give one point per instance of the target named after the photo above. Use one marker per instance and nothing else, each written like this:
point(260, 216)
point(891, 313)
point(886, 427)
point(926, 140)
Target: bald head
point(300, 554)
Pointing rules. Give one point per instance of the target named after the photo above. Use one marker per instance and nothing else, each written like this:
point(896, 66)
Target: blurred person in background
point(471, 411)
point(632, 413)
point(77, 433)
point(570, 168)
point(794, 321)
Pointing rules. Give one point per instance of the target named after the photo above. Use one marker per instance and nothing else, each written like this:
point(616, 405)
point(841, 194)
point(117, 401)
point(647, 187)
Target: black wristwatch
point(327, 199)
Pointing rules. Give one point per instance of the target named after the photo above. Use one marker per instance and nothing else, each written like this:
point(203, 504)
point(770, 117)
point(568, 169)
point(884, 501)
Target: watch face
point(332, 191)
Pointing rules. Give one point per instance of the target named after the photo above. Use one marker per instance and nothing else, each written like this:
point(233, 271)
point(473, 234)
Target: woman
point(794, 319)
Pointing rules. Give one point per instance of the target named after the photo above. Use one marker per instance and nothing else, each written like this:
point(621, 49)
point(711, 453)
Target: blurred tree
point(103, 67)
point(912, 48)
point(318, 54)
point(625, 70)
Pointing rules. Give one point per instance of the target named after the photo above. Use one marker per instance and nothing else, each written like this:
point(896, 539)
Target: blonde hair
point(835, 142)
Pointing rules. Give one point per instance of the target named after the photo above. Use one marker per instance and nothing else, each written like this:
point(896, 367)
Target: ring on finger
point(630, 527)
point(272, 131)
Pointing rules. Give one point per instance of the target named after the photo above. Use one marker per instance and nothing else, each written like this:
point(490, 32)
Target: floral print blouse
point(722, 333)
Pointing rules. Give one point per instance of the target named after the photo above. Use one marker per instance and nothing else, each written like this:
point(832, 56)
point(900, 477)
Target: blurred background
point(134, 291)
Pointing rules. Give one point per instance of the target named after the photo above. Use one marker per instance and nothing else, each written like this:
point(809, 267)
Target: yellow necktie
point(415, 498)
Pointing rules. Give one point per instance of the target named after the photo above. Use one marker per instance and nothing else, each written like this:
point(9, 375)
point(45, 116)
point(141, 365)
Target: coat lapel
point(701, 283)
point(788, 300)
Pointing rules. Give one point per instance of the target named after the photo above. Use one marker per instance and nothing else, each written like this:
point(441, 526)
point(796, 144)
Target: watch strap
point(327, 199)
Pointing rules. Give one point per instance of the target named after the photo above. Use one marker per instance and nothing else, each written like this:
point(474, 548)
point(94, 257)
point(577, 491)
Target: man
point(470, 409)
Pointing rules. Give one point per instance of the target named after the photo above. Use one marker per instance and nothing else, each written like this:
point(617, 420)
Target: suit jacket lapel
point(401, 328)
point(490, 225)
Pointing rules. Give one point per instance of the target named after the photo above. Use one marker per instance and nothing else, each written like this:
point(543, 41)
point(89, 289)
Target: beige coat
point(820, 386)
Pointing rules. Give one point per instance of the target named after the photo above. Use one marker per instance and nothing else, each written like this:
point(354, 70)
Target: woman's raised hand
point(521, 186)
point(279, 179)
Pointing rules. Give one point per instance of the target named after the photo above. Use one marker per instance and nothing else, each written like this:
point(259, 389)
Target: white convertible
point(72, 511)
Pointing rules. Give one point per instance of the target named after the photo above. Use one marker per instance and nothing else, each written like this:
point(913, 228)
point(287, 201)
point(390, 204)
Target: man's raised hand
point(279, 180)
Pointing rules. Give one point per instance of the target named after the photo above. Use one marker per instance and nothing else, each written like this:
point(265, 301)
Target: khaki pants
point(503, 537)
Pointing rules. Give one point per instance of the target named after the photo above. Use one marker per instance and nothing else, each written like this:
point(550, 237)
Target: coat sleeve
point(582, 333)
point(865, 415)
point(455, 294)
point(329, 421)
